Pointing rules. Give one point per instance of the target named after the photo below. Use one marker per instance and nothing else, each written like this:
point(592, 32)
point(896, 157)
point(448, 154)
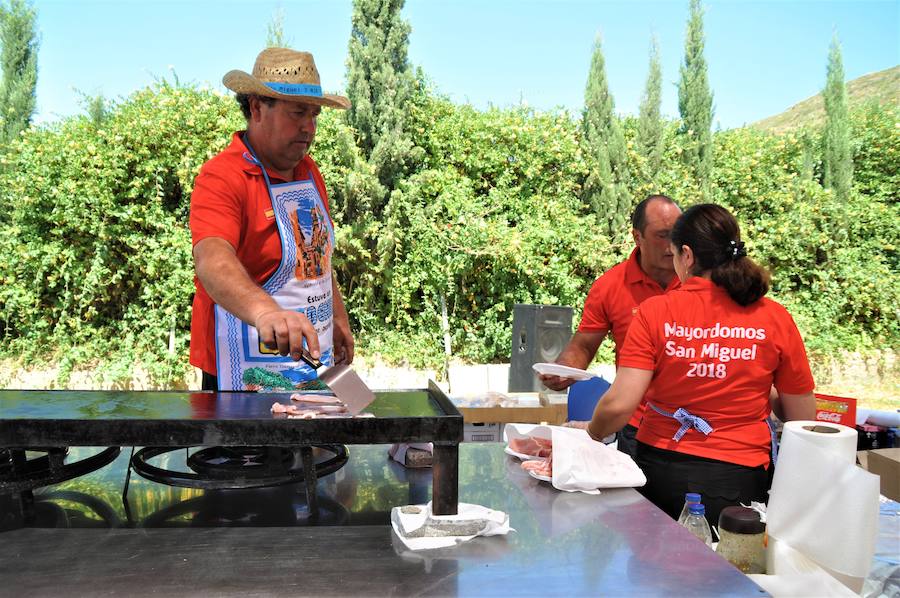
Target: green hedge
point(95, 250)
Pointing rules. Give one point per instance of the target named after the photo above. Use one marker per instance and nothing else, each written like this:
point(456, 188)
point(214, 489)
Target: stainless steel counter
point(261, 543)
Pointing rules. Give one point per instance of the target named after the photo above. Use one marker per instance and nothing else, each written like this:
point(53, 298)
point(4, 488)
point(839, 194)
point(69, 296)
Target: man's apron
point(302, 282)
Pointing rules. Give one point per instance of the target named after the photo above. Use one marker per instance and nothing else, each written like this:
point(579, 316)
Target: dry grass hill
point(882, 87)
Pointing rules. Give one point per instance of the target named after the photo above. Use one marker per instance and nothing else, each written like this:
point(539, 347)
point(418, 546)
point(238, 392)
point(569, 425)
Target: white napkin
point(581, 464)
point(885, 419)
point(398, 451)
point(419, 529)
point(802, 585)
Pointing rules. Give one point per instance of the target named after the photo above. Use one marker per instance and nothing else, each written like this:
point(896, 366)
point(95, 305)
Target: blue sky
point(763, 56)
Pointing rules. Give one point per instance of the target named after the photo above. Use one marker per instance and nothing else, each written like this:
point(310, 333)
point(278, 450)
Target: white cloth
point(416, 526)
point(581, 464)
point(885, 419)
point(802, 585)
point(398, 450)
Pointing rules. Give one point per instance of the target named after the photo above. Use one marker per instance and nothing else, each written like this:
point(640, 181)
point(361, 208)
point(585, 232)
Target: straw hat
point(285, 75)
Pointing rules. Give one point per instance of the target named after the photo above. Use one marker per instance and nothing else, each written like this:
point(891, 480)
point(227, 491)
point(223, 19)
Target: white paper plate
point(542, 478)
point(554, 369)
point(521, 456)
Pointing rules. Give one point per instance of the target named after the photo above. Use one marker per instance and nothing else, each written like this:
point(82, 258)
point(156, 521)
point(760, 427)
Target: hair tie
point(736, 250)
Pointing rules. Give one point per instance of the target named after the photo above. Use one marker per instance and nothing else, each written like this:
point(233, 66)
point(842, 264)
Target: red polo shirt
point(613, 300)
point(718, 360)
point(230, 201)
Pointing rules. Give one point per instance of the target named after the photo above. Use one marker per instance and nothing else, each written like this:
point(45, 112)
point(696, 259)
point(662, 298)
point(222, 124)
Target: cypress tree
point(380, 84)
point(96, 107)
point(650, 125)
point(837, 159)
point(275, 31)
point(18, 64)
point(606, 188)
point(695, 101)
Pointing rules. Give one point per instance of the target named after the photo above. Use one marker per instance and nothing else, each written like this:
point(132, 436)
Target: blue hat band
point(296, 89)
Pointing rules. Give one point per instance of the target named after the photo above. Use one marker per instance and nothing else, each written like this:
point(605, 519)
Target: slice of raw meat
point(542, 467)
point(532, 446)
point(306, 411)
point(316, 398)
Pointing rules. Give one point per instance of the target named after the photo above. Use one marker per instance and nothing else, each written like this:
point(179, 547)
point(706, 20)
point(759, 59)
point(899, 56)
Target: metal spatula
point(344, 382)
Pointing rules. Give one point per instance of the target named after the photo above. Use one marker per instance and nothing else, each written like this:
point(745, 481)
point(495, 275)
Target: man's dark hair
point(639, 216)
point(243, 100)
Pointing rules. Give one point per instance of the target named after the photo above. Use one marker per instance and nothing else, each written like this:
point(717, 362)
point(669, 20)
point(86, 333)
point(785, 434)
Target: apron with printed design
point(301, 282)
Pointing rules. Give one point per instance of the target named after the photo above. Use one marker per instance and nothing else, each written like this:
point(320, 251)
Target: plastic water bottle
point(691, 498)
point(696, 523)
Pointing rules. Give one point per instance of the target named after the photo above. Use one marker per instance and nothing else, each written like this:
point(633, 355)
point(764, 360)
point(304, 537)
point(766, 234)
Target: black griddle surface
point(148, 418)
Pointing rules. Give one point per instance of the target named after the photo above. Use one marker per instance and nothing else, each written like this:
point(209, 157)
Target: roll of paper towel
point(821, 504)
point(834, 440)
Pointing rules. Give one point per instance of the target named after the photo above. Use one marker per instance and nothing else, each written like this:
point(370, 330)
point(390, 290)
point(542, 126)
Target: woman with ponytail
point(706, 357)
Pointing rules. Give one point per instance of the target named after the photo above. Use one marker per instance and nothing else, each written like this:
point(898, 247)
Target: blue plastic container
point(583, 397)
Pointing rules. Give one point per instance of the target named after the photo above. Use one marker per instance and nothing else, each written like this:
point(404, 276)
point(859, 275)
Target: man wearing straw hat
point(263, 237)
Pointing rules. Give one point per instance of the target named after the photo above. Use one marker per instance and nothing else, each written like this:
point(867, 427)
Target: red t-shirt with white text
point(718, 360)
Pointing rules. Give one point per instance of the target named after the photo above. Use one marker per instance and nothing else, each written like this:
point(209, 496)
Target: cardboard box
point(547, 414)
point(886, 464)
point(482, 432)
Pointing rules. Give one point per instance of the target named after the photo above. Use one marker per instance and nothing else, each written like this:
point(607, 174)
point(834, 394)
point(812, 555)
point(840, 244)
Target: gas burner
point(82, 510)
point(21, 472)
point(225, 462)
point(224, 467)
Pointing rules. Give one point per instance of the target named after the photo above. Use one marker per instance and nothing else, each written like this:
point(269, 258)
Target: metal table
point(31, 419)
point(260, 542)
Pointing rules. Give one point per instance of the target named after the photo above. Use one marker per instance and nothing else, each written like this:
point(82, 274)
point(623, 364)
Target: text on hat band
point(297, 89)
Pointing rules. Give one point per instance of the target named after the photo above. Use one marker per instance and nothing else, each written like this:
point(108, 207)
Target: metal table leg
point(25, 499)
point(445, 478)
point(311, 480)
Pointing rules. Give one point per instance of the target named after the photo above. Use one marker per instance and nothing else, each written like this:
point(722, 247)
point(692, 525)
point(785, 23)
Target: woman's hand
point(579, 425)
point(618, 403)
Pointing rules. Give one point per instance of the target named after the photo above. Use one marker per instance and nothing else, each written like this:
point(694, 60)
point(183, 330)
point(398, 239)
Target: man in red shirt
point(263, 237)
point(615, 296)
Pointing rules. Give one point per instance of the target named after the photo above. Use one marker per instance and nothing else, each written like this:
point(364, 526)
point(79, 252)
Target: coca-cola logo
point(828, 417)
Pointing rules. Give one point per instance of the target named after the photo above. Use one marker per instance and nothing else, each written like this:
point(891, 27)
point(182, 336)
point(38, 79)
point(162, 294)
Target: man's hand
point(343, 343)
point(342, 337)
point(577, 354)
point(284, 330)
point(555, 382)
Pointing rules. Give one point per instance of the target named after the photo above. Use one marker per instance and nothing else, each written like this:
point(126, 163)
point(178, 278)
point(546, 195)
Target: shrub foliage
point(95, 250)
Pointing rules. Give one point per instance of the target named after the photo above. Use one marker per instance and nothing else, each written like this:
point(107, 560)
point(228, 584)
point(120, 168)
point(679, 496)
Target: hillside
point(882, 86)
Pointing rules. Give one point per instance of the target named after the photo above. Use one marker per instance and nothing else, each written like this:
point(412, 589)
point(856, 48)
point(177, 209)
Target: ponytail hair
point(713, 235)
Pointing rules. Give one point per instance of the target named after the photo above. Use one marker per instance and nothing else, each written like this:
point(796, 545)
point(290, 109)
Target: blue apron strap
point(771, 425)
point(687, 421)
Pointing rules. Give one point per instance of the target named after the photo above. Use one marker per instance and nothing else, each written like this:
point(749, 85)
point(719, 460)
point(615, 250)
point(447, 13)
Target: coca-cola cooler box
point(836, 410)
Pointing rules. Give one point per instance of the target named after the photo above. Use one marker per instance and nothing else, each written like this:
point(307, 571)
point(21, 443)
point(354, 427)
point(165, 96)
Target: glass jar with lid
point(742, 538)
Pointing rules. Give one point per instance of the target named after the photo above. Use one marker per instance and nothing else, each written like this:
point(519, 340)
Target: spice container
point(742, 539)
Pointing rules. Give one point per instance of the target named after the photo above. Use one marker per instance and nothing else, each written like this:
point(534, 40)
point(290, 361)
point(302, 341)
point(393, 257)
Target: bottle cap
point(697, 508)
point(691, 497)
point(741, 520)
